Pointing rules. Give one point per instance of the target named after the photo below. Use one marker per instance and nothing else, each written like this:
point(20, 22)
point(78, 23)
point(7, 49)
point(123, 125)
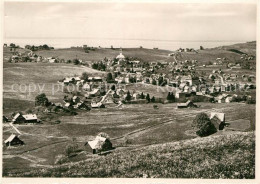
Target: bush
point(61, 159)
point(71, 149)
point(203, 125)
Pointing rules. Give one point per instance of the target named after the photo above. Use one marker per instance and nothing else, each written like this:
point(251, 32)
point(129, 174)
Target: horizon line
point(170, 40)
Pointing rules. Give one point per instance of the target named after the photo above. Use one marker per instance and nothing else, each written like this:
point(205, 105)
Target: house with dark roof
point(13, 140)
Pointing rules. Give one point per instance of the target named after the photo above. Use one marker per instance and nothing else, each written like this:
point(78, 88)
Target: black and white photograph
point(121, 89)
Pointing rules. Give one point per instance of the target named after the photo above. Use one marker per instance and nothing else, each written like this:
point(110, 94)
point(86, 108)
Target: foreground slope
point(220, 156)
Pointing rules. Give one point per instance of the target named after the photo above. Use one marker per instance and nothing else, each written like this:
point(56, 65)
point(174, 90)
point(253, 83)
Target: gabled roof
point(10, 138)
point(184, 104)
point(120, 56)
point(220, 116)
point(30, 117)
point(97, 142)
point(16, 116)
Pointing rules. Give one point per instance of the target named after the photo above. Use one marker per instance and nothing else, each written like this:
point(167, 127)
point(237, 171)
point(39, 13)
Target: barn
point(28, 118)
point(99, 144)
point(218, 119)
point(13, 140)
point(188, 104)
point(18, 118)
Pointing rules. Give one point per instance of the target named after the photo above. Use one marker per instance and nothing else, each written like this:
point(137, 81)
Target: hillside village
point(178, 84)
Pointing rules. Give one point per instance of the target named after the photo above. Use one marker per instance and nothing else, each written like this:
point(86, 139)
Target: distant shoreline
point(63, 43)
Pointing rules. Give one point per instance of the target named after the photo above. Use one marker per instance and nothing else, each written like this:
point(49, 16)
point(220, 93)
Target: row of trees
point(128, 97)
point(99, 66)
point(41, 47)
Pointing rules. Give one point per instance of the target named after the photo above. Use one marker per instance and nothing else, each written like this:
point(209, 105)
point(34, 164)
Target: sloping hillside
point(220, 156)
point(98, 54)
point(202, 56)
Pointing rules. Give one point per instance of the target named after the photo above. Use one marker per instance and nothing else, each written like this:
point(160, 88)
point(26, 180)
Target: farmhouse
point(13, 140)
point(188, 104)
point(218, 119)
point(30, 118)
point(18, 118)
point(99, 144)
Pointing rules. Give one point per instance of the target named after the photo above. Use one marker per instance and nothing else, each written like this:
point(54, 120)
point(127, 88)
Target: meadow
point(224, 156)
point(130, 127)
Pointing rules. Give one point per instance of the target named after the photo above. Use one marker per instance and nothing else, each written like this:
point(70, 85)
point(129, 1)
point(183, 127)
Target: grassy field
point(39, 77)
point(221, 156)
point(131, 126)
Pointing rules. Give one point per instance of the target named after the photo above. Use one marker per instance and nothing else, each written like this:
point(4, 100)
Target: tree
point(41, 100)
point(201, 48)
point(153, 99)
point(172, 98)
point(109, 77)
point(142, 96)
point(12, 45)
point(113, 87)
point(76, 61)
point(84, 76)
point(160, 80)
point(203, 125)
point(169, 96)
point(148, 97)
point(128, 96)
point(132, 79)
point(154, 82)
point(55, 109)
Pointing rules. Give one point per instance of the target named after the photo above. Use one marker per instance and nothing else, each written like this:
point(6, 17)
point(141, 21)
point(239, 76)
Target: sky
point(151, 21)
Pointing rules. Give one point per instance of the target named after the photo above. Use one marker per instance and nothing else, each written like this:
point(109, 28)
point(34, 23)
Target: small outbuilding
point(13, 140)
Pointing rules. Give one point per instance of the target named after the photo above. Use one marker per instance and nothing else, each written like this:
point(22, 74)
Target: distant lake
point(161, 44)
